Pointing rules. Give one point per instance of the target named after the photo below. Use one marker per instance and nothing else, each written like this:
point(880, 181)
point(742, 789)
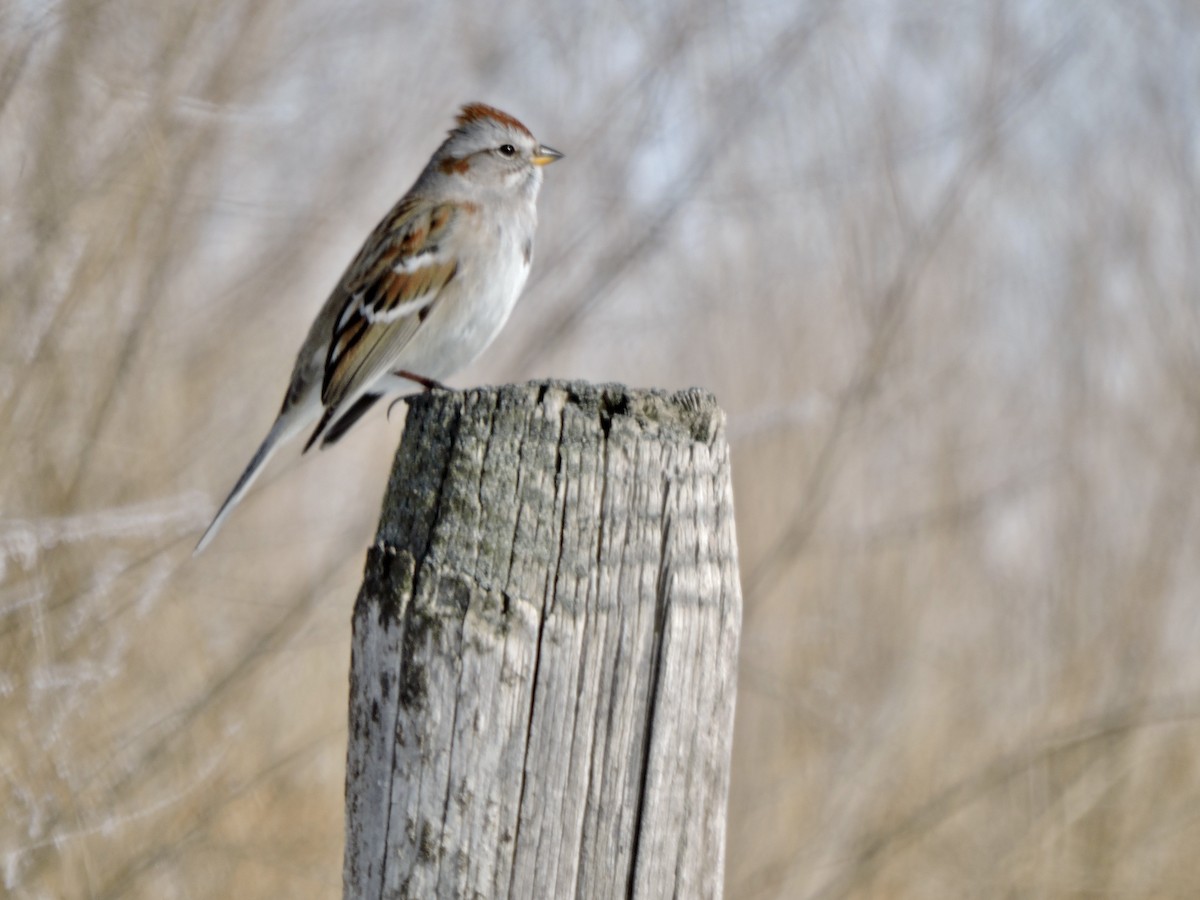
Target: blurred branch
point(965, 509)
point(874, 850)
point(261, 649)
point(11, 70)
point(744, 100)
point(176, 231)
point(202, 819)
point(923, 241)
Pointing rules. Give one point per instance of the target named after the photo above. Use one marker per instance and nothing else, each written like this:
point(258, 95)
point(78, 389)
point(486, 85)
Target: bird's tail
point(285, 427)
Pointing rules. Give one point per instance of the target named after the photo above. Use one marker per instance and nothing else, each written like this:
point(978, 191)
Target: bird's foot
point(429, 384)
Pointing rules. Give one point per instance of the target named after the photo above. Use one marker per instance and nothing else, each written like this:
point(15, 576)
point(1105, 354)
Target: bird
point(429, 290)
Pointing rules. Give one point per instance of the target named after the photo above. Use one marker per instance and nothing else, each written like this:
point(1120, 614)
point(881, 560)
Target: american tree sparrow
point(429, 290)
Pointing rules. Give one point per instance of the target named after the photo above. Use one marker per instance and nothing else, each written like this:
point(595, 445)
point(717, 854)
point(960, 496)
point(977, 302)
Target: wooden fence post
point(545, 649)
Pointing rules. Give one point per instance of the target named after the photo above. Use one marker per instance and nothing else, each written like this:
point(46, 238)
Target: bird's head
point(490, 151)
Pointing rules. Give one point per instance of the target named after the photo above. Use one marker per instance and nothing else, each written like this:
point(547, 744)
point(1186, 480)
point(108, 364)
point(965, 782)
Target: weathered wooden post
point(544, 657)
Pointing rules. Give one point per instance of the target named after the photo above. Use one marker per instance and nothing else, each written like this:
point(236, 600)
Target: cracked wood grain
point(545, 644)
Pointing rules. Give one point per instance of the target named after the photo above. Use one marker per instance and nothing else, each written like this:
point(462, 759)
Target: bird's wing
point(380, 302)
point(387, 293)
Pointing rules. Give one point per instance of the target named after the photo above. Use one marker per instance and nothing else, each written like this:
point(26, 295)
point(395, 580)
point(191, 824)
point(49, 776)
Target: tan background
point(939, 262)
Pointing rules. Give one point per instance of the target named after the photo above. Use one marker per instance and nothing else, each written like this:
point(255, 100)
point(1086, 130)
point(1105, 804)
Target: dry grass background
point(938, 261)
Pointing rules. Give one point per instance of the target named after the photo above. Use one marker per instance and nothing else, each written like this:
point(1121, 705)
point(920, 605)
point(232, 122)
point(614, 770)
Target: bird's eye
point(507, 150)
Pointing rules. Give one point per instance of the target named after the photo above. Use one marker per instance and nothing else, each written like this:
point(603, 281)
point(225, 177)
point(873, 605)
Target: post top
point(691, 410)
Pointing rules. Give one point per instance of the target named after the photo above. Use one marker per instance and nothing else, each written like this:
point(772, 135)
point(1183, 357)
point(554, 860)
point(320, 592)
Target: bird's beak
point(545, 155)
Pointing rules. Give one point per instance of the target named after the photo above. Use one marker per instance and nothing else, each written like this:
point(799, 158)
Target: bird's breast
point(473, 307)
